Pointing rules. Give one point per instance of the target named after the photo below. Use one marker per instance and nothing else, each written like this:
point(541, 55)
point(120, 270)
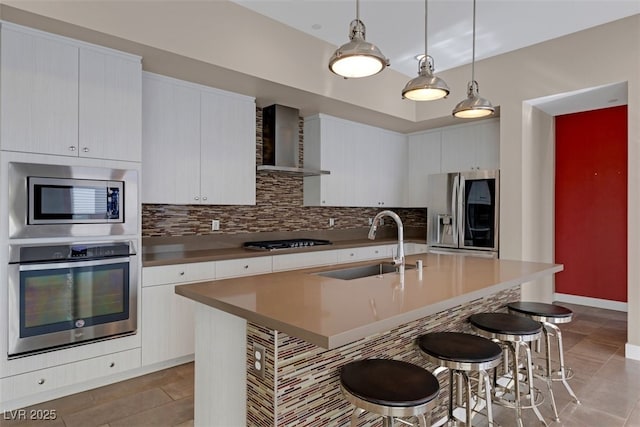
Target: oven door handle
point(73, 264)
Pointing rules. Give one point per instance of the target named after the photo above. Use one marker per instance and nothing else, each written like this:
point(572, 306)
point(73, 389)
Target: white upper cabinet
point(423, 159)
point(328, 145)
point(471, 146)
point(110, 105)
point(170, 141)
point(62, 97)
point(366, 164)
point(38, 93)
point(228, 149)
point(198, 144)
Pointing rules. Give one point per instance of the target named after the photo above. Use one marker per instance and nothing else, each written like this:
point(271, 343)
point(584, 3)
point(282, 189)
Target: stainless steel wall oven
point(64, 294)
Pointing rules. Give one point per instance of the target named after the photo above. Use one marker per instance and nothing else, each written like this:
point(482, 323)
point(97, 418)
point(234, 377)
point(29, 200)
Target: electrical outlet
point(370, 221)
point(258, 360)
point(215, 224)
point(332, 222)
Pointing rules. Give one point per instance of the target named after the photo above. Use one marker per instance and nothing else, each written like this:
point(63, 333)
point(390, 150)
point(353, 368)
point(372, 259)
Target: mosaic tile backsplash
point(278, 207)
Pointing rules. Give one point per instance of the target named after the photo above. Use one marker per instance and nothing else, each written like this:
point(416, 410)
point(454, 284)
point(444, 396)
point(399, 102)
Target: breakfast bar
point(269, 347)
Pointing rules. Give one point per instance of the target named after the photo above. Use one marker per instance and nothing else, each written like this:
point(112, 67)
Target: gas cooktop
point(272, 245)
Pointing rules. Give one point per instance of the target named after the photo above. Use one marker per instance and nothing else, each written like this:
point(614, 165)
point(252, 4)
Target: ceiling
point(397, 26)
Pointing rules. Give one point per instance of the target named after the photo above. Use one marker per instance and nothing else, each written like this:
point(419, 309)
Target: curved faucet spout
point(399, 258)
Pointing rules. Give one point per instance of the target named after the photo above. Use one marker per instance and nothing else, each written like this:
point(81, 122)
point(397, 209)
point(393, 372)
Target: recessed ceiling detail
point(398, 25)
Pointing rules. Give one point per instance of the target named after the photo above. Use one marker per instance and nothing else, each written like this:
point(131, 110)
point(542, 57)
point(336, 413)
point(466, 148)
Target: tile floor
point(607, 384)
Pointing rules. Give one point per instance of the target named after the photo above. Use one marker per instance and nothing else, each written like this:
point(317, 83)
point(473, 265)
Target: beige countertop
point(181, 255)
point(331, 312)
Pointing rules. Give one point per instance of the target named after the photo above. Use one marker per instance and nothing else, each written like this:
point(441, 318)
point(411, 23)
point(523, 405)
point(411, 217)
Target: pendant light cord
point(473, 49)
point(358, 10)
point(426, 18)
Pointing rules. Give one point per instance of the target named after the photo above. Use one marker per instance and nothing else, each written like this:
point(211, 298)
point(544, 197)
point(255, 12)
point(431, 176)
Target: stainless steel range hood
point(280, 142)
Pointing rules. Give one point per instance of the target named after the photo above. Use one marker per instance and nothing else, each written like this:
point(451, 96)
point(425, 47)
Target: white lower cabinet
point(167, 324)
point(243, 267)
point(365, 253)
point(178, 273)
point(30, 383)
point(304, 260)
point(415, 248)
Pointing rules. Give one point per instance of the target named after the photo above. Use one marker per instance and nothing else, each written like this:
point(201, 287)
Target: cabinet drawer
point(43, 380)
point(243, 267)
point(415, 248)
point(364, 253)
point(178, 273)
point(304, 260)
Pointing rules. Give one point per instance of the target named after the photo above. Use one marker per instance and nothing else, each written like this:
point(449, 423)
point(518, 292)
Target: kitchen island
point(309, 325)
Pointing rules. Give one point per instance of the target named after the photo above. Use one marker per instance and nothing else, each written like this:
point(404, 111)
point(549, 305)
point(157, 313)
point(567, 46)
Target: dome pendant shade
point(474, 106)
point(357, 58)
point(425, 87)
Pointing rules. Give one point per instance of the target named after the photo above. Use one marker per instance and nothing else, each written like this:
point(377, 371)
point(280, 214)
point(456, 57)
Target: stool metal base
point(548, 374)
point(545, 372)
point(514, 344)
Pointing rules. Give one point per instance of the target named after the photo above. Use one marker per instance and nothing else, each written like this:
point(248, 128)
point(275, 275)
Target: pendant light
point(357, 58)
point(474, 106)
point(425, 87)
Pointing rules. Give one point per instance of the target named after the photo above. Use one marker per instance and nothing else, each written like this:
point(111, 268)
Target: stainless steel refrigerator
point(463, 212)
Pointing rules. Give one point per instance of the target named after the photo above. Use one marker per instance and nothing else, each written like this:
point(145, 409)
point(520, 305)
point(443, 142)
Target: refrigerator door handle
point(454, 208)
point(461, 211)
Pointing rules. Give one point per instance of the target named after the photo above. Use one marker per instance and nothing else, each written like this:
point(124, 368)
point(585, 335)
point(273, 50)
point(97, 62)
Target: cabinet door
point(391, 170)
point(458, 148)
point(110, 106)
point(39, 94)
point(228, 150)
point(167, 325)
point(423, 158)
point(170, 141)
point(361, 167)
point(488, 146)
point(471, 147)
point(337, 152)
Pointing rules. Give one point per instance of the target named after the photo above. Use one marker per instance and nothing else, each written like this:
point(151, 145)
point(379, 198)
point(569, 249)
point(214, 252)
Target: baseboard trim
point(591, 302)
point(632, 351)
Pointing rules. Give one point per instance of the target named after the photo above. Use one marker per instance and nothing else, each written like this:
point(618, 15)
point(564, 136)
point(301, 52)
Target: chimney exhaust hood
point(280, 142)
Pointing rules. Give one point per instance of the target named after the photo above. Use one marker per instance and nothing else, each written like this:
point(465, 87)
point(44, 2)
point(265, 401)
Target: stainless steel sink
point(362, 271)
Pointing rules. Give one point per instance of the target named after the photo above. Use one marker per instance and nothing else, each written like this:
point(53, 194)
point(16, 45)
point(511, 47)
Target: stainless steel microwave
point(68, 201)
point(74, 201)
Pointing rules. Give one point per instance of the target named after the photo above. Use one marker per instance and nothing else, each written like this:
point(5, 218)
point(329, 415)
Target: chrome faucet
point(399, 258)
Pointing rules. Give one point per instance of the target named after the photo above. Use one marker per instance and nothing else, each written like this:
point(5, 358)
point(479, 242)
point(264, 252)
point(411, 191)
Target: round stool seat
point(541, 312)
point(507, 326)
point(456, 349)
point(389, 382)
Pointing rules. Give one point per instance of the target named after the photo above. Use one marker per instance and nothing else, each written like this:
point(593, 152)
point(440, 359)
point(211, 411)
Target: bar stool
point(549, 315)
point(459, 354)
point(514, 332)
point(390, 388)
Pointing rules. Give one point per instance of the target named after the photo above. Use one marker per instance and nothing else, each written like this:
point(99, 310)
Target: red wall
point(591, 203)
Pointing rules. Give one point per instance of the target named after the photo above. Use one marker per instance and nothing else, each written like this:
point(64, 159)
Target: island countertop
point(332, 312)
